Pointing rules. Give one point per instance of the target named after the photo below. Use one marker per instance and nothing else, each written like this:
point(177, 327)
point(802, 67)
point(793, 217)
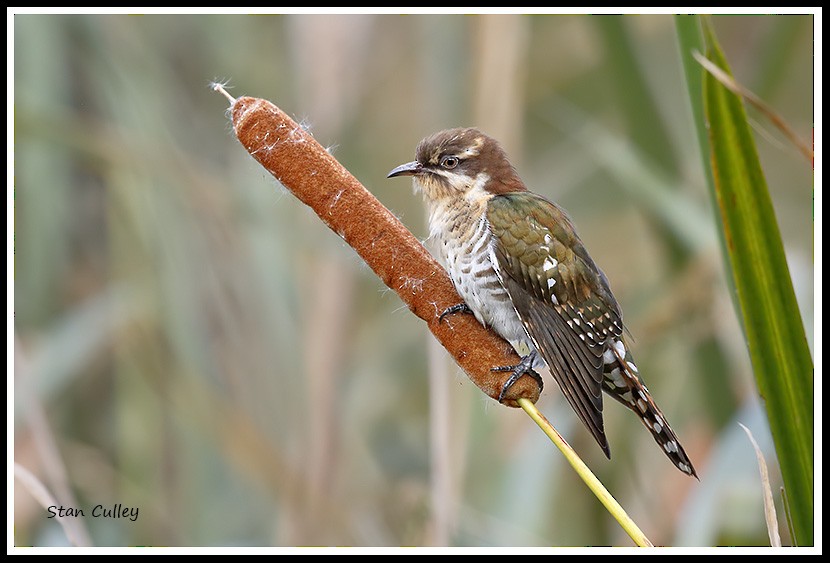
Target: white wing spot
point(548, 238)
point(657, 427)
point(618, 380)
point(608, 357)
point(620, 348)
point(551, 283)
point(549, 264)
point(642, 405)
point(633, 367)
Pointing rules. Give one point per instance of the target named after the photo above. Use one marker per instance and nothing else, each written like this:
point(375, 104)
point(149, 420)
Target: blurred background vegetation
point(192, 341)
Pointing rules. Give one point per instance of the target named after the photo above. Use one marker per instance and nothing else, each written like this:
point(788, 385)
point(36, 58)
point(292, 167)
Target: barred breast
point(464, 246)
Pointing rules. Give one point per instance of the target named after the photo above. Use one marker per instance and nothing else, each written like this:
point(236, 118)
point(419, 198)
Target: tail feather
point(623, 384)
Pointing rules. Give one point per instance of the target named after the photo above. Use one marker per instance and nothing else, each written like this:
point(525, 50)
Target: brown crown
point(476, 152)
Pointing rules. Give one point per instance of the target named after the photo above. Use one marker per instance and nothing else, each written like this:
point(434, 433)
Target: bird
point(517, 262)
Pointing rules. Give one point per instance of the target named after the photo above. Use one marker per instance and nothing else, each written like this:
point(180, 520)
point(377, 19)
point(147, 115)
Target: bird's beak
point(409, 169)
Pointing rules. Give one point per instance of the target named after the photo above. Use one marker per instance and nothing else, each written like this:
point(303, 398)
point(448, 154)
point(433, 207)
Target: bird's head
point(460, 163)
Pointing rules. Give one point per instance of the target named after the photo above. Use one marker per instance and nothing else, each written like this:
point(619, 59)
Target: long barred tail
point(622, 383)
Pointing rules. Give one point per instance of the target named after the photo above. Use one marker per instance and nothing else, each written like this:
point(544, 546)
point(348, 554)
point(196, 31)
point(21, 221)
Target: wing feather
point(579, 380)
point(560, 296)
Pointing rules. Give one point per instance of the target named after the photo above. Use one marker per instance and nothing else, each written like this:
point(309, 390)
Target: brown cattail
point(317, 179)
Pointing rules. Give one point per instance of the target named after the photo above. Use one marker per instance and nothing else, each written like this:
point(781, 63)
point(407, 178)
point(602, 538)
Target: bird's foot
point(459, 308)
point(523, 367)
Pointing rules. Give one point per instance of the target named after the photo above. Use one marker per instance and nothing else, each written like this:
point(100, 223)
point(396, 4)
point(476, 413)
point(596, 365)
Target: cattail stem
point(599, 490)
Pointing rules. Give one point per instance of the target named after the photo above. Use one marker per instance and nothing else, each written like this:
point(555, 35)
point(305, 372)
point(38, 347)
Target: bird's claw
point(459, 308)
point(518, 370)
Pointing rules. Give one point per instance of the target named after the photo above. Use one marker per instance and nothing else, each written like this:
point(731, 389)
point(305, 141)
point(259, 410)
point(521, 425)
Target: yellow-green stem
point(586, 475)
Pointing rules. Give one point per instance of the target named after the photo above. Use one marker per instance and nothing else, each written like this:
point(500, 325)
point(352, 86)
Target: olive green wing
point(560, 295)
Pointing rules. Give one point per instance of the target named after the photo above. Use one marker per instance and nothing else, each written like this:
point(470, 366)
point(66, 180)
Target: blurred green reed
point(757, 268)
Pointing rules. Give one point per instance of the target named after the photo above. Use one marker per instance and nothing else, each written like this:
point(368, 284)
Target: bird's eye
point(449, 162)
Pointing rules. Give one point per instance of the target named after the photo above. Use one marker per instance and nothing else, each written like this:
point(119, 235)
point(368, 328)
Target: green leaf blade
point(771, 319)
